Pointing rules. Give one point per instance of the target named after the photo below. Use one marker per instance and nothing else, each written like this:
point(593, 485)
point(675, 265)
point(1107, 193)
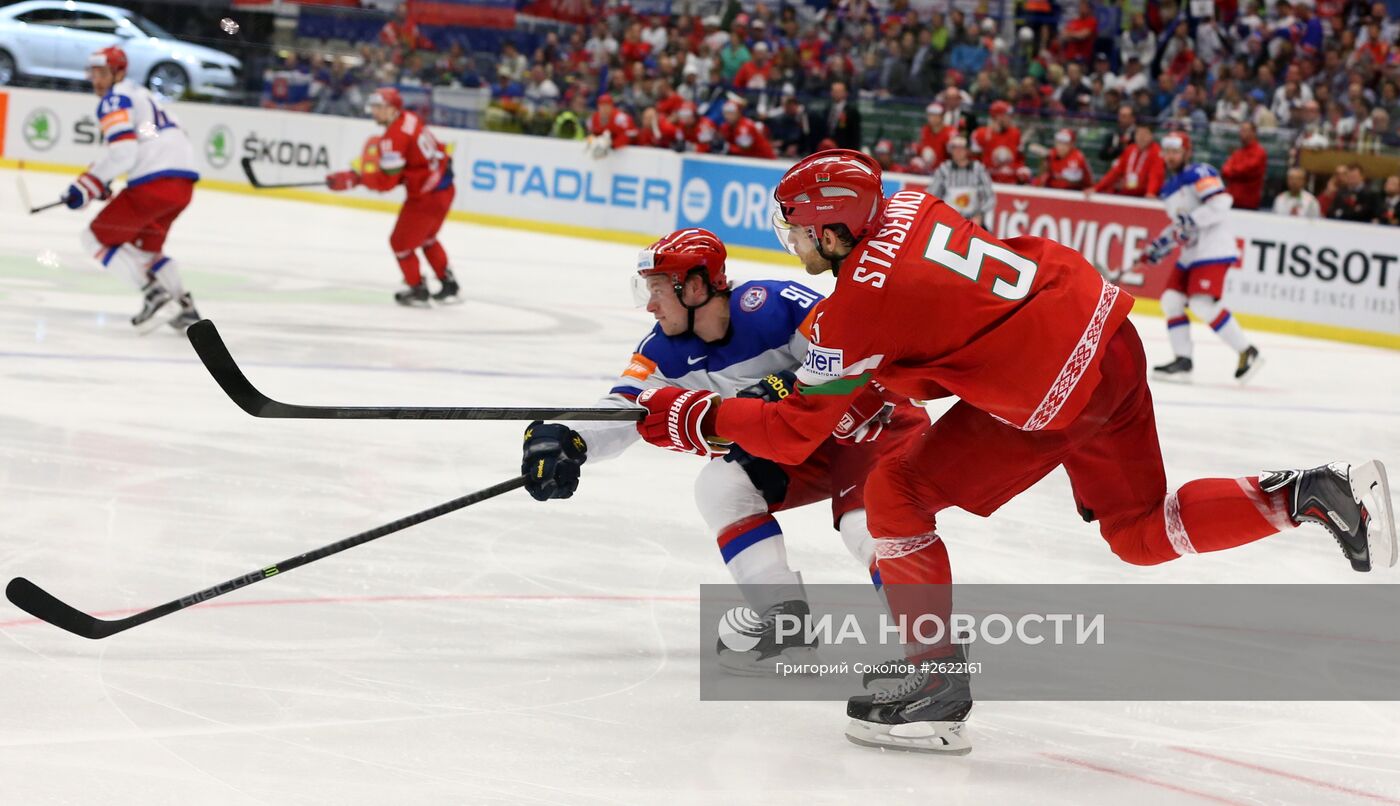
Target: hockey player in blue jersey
point(746, 340)
point(1197, 204)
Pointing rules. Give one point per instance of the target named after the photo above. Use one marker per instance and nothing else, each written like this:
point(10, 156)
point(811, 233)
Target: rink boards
point(1321, 278)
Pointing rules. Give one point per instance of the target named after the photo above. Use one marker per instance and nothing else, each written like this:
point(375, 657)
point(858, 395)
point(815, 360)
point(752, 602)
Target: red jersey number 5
point(978, 252)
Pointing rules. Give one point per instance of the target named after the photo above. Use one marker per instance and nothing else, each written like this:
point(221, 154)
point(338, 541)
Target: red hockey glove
point(676, 419)
point(84, 189)
point(866, 417)
point(342, 180)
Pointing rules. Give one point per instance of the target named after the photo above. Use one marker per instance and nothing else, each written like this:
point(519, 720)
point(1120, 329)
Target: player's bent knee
point(724, 493)
point(95, 239)
point(893, 507)
point(1137, 540)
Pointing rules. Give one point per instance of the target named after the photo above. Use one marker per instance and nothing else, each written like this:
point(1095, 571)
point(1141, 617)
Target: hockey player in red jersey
point(407, 154)
point(744, 340)
point(699, 132)
point(1049, 372)
point(1065, 166)
point(610, 127)
point(998, 146)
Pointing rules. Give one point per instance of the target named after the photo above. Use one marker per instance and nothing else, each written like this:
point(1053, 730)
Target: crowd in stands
point(783, 81)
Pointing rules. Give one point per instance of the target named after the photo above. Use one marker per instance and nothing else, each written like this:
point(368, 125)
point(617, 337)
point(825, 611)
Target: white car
point(53, 38)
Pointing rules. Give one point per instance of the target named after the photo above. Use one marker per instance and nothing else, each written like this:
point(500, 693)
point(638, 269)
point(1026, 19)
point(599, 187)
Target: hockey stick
point(44, 606)
point(253, 179)
point(210, 347)
point(24, 195)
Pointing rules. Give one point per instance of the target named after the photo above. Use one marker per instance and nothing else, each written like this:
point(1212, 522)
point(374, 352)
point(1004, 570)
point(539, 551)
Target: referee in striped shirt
point(964, 182)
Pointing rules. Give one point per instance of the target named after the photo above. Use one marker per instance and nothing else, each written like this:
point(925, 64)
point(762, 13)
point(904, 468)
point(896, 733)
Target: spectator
point(1138, 43)
point(1139, 170)
point(755, 73)
point(1079, 34)
point(733, 55)
point(511, 64)
point(1244, 171)
point(1390, 203)
point(924, 65)
point(601, 46)
point(1375, 133)
point(1259, 112)
point(541, 93)
point(1353, 201)
point(401, 34)
point(339, 93)
point(963, 182)
point(1121, 136)
point(1065, 166)
point(1075, 94)
point(572, 123)
point(843, 119)
point(789, 129)
point(1232, 106)
point(1295, 200)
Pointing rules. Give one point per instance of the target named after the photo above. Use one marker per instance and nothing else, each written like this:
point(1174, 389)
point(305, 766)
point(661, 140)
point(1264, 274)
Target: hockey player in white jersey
point(142, 140)
point(746, 340)
point(1197, 204)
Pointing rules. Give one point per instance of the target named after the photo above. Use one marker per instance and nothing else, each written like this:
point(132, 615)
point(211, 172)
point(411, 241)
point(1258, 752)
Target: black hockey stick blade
point(247, 163)
point(209, 345)
point(44, 606)
point(41, 208)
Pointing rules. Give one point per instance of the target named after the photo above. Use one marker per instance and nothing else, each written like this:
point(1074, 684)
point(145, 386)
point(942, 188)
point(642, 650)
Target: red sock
point(408, 264)
point(917, 581)
point(1204, 515)
point(437, 257)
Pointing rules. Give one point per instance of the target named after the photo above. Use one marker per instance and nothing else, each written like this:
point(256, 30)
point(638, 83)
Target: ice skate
point(925, 713)
point(415, 296)
point(762, 659)
point(156, 299)
point(447, 295)
point(188, 313)
point(1350, 501)
point(1178, 370)
point(1249, 364)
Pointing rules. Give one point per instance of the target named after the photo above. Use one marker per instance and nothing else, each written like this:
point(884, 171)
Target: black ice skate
point(925, 713)
point(1249, 364)
point(156, 299)
point(762, 659)
point(1350, 501)
point(447, 295)
point(1178, 370)
point(415, 296)
point(188, 314)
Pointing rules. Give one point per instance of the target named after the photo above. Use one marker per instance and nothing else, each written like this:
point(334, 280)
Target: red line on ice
point(1142, 779)
point(1292, 776)
point(426, 597)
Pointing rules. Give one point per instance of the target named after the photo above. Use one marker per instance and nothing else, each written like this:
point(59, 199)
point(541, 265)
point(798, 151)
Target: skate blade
point(942, 738)
point(1371, 487)
point(1251, 372)
point(747, 664)
point(1173, 377)
point(162, 316)
point(415, 304)
point(452, 300)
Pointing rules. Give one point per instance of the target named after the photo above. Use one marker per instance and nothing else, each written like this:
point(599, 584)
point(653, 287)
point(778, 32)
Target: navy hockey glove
point(553, 455)
point(772, 388)
point(83, 190)
point(1160, 248)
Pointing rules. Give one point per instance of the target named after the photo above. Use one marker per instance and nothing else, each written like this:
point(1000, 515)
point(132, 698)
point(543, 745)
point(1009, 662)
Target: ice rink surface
point(518, 652)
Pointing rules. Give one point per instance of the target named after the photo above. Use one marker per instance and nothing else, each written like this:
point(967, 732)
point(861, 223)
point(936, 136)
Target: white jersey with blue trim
point(769, 323)
point(140, 138)
point(1197, 203)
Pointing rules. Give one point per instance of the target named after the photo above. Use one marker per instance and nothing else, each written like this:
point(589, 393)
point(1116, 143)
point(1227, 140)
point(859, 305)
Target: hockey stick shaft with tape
point(247, 163)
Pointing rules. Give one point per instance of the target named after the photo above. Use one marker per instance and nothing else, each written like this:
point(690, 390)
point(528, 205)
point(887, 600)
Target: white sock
point(1178, 326)
point(1221, 321)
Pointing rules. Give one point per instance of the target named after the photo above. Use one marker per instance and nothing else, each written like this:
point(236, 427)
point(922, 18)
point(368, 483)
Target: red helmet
point(838, 186)
point(113, 58)
point(385, 96)
point(680, 253)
